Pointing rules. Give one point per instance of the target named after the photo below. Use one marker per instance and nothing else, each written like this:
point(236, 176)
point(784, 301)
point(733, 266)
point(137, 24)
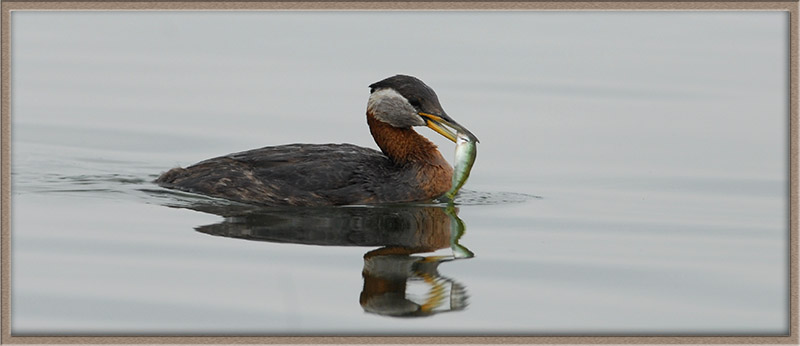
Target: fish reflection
point(398, 281)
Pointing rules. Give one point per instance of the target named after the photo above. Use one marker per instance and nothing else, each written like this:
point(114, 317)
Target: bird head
point(404, 101)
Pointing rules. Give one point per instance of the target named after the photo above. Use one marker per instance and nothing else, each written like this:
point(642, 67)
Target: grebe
point(408, 168)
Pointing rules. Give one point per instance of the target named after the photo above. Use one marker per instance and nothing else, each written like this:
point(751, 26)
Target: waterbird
point(408, 167)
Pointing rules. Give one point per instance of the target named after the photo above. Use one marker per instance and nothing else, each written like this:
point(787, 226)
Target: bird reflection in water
point(390, 271)
point(399, 280)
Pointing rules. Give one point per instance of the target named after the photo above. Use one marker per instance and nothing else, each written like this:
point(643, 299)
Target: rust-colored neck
point(408, 148)
point(404, 145)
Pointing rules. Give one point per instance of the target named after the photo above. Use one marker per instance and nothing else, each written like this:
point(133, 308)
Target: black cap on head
point(418, 94)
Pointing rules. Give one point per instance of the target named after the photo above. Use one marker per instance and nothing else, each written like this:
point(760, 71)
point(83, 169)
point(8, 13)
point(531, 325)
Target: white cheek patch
point(383, 95)
point(389, 106)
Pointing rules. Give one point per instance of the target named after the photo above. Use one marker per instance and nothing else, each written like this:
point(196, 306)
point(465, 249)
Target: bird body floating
point(408, 167)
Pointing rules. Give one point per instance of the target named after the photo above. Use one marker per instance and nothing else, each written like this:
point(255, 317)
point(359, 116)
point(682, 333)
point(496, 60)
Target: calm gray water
point(632, 175)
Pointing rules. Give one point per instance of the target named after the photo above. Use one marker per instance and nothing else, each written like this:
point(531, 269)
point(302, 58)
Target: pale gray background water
point(657, 141)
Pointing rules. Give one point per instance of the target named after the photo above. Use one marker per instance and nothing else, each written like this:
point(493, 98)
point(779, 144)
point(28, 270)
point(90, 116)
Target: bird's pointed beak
point(446, 126)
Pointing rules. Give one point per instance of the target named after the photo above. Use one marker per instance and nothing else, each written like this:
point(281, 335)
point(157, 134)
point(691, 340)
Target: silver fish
point(466, 150)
